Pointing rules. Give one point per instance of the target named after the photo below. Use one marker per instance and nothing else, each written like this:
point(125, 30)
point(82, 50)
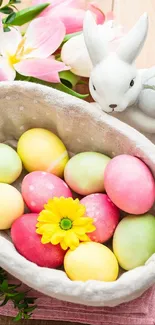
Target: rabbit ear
point(133, 42)
point(96, 47)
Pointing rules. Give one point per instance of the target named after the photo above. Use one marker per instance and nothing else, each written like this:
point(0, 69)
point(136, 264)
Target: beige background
point(127, 12)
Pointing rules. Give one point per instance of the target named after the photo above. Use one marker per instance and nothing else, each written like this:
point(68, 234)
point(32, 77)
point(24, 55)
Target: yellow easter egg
point(42, 150)
point(11, 205)
point(91, 261)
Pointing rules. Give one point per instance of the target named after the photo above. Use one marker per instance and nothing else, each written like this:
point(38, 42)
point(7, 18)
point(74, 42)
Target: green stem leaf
point(58, 86)
point(4, 285)
point(10, 18)
point(26, 15)
point(149, 87)
point(6, 10)
point(69, 91)
point(68, 36)
point(18, 317)
point(71, 78)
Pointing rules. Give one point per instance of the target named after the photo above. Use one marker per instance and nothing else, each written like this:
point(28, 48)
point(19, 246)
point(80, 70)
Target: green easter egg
point(134, 240)
point(10, 164)
point(84, 172)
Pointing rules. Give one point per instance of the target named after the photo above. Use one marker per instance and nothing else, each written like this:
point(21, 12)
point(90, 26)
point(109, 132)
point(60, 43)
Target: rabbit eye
point(94, 88)
point(132, 83)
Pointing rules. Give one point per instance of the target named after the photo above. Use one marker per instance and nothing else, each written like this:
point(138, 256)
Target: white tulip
point(74, 53)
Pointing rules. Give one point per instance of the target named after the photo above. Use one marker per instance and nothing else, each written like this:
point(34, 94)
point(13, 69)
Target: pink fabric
point(138, 312)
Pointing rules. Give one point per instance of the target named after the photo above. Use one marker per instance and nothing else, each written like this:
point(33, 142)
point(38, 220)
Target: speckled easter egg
point(84, 172)
point(40, 149)
point(130, 184)
point(39, 187)
point(91, 261)
point(105, 215)
point(10, 164)
point(134, 240)
point(28, 243)
point(11, 205)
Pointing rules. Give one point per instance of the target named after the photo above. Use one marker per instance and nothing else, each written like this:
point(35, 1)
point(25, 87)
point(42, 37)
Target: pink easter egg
point(28, 243)
point(38, 187)
point(130, 184)
point(105, 215)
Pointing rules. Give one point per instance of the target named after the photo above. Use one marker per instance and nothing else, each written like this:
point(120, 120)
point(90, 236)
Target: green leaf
point(26, 15)
point(71, 78)
point(6, 10)
point(4, 285)
point(68, 36)
point(69, 91)
point(14, 286)
point(30, 300)
point(27, 316)
point(1, 1)
point(10, 18)
point(6, 29)
point(11, 2)
point(6, 299)
point(149, 87)
point(18, 297)
point(59, 86)
point(22, 306)
point(30, 309)
point(18, 317)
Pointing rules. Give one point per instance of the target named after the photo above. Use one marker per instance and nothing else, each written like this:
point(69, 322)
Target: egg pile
point(117, 193)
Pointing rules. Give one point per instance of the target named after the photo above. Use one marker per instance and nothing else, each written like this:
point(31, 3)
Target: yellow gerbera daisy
point(63, 222)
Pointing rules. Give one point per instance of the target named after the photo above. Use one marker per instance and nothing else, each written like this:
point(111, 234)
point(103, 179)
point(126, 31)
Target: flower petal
point(45, 239)
point(79, 231)
point(63, 245)
point(44, 35)
point(58, 237)
point(48, 216)
point(90, 228)
point(47, 228)
point(75, 54)
point(84, 238)
point(94, 8)
point(7, 73)
point(82, 221)
point(9, 41)
point(110, 16)
point(71, 239)
point(44, 69)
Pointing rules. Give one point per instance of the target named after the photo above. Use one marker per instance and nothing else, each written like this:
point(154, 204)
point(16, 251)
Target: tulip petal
point(44, 69)
point(7, 73)
point(72, 12)
point(110, 16)
point(74, 53)
point(100, 17)
point(72, 18)
point(9, 41)
point(44, 35)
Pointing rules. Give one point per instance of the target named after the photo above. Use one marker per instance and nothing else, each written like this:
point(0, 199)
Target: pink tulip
point(71, 12)
point(31, 55)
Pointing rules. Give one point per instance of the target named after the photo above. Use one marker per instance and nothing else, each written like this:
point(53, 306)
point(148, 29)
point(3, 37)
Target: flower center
point(13, 59)
point(20, 53)
point(66, 224)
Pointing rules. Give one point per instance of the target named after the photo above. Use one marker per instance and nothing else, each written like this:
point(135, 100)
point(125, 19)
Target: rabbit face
point(114, 84)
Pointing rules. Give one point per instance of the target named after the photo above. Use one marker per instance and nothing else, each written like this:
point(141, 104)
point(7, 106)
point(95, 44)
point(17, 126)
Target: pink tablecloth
point(138, 312)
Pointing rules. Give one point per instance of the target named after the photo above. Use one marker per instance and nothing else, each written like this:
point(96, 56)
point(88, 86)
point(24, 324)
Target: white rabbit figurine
point(115, 83)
